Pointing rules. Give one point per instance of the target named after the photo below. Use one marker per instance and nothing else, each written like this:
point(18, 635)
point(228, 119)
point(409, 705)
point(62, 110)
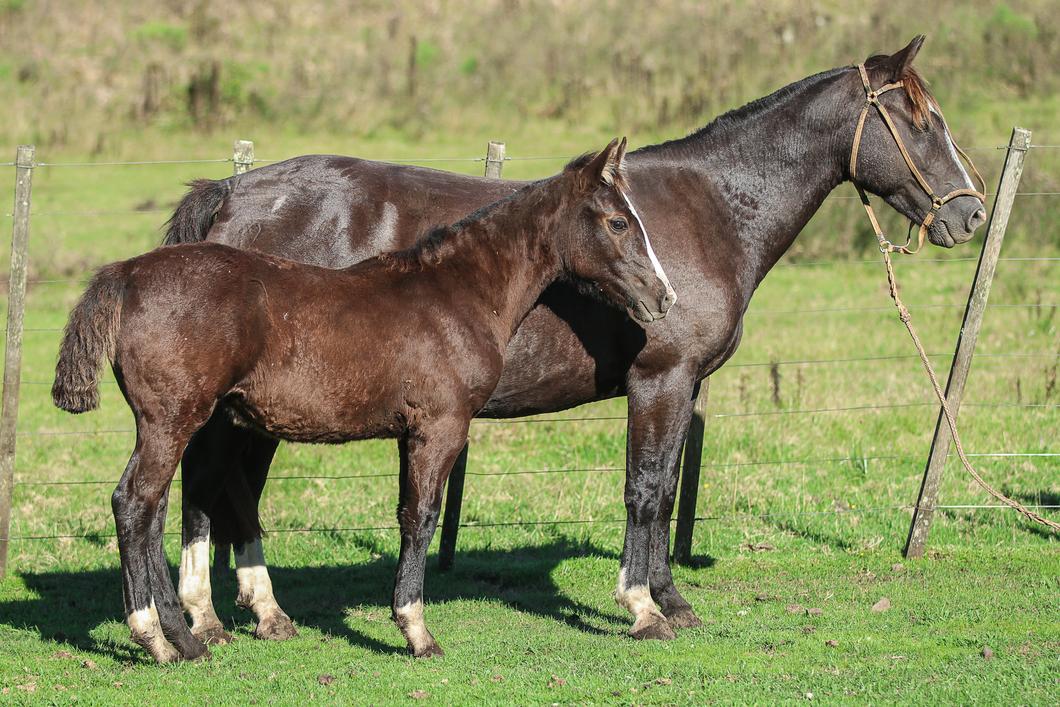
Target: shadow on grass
point(69, 606)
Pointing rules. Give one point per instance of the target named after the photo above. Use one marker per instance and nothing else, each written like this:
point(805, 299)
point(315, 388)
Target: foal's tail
point(195, 213)
point(88, 339)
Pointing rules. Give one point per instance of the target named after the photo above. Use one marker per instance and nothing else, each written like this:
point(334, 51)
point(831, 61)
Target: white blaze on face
point(651, 253)
point(953, 150)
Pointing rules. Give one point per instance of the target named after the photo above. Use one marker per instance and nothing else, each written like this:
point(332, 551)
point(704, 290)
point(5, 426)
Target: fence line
point(620, 418)
point(580, 521)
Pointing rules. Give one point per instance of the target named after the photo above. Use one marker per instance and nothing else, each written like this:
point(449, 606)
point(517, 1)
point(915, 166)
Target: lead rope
point(907, 319)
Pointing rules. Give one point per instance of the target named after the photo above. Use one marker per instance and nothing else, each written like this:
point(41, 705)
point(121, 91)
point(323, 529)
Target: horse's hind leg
point(139, 506)
point(427, 456)
point(170, 614)
point(255, 593)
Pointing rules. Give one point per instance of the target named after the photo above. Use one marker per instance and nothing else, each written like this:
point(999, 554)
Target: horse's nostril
point(977, 219)
point(669, 299)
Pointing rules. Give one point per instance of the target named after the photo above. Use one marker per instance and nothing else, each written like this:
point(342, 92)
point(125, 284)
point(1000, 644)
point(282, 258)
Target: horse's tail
point(89, 338)
point(195, 213)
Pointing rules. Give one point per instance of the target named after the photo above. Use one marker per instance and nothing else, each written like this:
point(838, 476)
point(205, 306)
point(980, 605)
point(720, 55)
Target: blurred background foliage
point(82, 76)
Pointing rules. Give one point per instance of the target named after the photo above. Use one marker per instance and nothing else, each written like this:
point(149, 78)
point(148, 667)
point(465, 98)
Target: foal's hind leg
point(139, 506)
point(170, 615)
point(255, 593)
point(427, 456)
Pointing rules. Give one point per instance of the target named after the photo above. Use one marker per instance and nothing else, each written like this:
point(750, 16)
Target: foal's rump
point(160, 317)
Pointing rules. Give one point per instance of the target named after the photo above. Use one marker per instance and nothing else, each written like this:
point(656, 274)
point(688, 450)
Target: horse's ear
point(613, 168)
point(903, 60)
point(604, 168)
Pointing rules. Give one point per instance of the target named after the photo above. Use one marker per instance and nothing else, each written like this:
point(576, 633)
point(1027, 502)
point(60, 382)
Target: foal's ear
point(606, 167)
point(903, 60)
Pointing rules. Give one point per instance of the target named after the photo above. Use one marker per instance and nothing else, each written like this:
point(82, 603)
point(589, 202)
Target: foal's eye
point(619, 225)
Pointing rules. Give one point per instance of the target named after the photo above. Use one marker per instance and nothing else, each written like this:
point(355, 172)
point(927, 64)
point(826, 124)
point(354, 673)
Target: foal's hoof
point(429, 651)
point(653, 628)
point(214, 636)
point(277, 627)
point(194, 650)
point(684, 618)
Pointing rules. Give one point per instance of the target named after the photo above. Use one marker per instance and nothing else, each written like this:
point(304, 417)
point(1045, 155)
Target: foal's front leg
point(427, 455)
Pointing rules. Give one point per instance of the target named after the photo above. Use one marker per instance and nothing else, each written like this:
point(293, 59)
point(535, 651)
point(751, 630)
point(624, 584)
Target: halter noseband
point(872, 99)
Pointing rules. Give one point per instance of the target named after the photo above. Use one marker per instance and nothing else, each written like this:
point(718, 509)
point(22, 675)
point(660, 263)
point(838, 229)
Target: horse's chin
point(641, 313)
point(940, 234)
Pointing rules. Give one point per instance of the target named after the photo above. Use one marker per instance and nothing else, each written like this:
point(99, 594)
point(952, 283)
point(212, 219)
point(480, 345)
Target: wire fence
point(28, 435)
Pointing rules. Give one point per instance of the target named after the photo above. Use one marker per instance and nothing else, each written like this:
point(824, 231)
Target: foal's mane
point(439, 242)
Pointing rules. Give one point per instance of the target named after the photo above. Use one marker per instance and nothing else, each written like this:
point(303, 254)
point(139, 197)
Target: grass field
point(816, 440)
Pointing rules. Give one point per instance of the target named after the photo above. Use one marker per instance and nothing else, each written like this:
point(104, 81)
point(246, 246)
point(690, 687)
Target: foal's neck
point(504, 255)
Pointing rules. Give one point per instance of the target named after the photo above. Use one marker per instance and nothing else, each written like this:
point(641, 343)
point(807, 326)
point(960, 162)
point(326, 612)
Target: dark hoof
point(429, 652)
point(275, 628)
point(195, 651)
point(658, 630)
point(215, 636)
point(684, 618)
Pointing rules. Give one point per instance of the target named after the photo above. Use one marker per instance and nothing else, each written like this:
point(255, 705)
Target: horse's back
point(335, 211)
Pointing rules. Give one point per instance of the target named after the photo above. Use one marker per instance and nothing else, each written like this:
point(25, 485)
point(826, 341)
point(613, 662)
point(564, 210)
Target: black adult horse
point(723, 204)
point(408, 345)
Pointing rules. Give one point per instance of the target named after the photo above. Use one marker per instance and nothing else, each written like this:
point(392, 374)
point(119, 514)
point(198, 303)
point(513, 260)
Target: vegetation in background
point(82, 77)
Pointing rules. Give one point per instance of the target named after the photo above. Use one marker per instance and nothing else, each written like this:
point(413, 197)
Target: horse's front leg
point(660, 408)
point(427, 455)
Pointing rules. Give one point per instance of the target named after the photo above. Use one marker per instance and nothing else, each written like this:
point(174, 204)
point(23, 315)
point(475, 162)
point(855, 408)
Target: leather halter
point(872, 100)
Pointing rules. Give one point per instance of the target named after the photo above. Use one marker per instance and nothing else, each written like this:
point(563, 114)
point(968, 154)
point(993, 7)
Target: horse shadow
point(67, 607)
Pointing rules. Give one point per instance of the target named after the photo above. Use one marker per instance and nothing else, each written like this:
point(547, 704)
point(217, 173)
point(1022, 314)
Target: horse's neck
point(772, 164)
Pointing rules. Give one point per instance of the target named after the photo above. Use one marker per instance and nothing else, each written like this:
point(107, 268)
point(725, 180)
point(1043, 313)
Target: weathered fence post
point(494, 159)
point(454, 494)
point(243, 157)
point(924, 512)
point(16, 311)
point(693, 459)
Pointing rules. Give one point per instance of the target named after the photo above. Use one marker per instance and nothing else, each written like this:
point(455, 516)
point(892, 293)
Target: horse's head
point(607, 243)
point(904, 153)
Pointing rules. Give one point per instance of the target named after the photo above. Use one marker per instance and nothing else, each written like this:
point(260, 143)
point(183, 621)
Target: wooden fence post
point(16, 311)
point(924, 512)
point(243, 157)
point(693, 460)
point(454, 494)
point(494, 159)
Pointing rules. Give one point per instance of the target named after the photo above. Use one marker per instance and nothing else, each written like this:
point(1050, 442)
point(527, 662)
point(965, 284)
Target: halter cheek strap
point(872, 100)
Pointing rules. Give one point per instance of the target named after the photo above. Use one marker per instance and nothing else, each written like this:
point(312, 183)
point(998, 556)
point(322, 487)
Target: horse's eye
point(619, 225)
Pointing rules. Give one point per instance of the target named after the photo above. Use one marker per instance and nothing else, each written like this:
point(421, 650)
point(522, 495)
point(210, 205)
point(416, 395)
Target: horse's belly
point(304, 412)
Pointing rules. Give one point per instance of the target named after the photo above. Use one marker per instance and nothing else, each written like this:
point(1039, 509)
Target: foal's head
point(605, 242)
